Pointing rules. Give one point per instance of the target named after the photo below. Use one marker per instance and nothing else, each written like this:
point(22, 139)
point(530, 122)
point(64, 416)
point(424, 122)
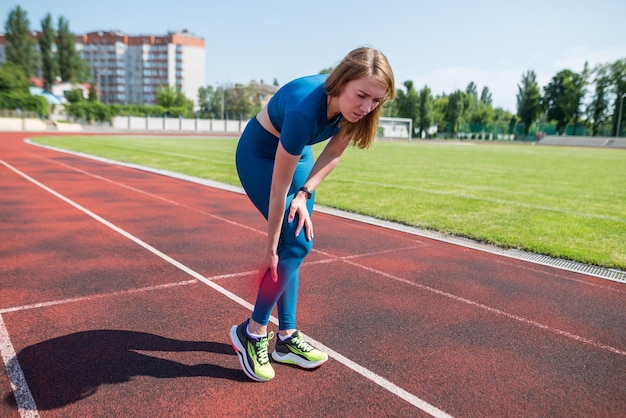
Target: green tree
point(20, 49)
point(13, 79)
point(68, 59)
point(75, 96)
point(210, 101)
point(204, 96)
point(562, 98)
point(482, 117)
point(457, 103)
point(580, 84)
point(486, 97)
point(170, 98)
point(241, 102)
point(424, 110)
point(598, 109)
point(407, 103)
point(618, 78)
point(48, 62)
point(440, 104)
point(528, 100)
point(471, 105)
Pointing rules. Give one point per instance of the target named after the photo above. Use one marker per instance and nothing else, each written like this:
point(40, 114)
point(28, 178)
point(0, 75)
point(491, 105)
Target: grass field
point(560, 201)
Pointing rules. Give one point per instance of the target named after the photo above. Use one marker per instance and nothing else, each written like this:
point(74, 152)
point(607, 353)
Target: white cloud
point(503, 81)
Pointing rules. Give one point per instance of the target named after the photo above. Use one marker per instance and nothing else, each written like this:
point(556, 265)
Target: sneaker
point(253, 354)
point(295, 350)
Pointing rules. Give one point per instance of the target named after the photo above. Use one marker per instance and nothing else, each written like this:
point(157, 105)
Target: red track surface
point(118, 288)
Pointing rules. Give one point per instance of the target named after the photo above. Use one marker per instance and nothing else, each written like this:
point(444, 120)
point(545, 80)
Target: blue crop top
point(298, 111)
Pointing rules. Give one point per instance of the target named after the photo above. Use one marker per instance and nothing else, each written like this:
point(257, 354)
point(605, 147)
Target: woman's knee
point(295, 246)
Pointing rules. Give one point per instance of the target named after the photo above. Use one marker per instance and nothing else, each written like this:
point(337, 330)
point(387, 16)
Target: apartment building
point(130, 69)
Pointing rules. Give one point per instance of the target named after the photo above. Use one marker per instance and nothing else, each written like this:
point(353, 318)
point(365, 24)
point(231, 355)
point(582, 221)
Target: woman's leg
point(288, 301)
point(255, 165)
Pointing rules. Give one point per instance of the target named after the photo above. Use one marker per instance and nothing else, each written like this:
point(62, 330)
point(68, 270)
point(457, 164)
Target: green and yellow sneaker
point(253, 354)
point(295, 350)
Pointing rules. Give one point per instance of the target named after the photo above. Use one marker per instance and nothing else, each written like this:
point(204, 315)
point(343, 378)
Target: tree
point(470, 107)
point(170, 98)
point(20, 49)
point(528, 100)
point(13, 79)
point(210, 101)
point(562, 98)
point(477, 110)
point(440, 104)
point(424, 110)
point(486, 97)
point(48, 62)
point(597, 111)
point(472, 90)
point(618, 78)
point(66, 52)
point(580, 84)
point(241, 102)
point(457, 103)
point(407, 103)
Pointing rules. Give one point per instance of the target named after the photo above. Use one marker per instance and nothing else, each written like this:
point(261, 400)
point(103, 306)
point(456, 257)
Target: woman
point(277, 170)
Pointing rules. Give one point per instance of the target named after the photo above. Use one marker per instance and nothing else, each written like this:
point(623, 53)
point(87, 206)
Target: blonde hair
point(359, 63)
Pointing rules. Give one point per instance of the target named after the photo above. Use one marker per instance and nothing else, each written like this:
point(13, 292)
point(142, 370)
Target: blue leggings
point(255, 156)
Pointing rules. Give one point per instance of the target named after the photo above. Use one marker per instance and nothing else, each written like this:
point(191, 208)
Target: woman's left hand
point(298, 206)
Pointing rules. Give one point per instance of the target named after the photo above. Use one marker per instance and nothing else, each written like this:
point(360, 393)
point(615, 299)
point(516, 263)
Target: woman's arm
point(284, 168)
point(325, 163)
point(327, 160)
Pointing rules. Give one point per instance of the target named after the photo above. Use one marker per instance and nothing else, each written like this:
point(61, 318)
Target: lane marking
point(152, 195)
point(94, 297)
point(599, 272)
point(345, 259)
point(26, 405)
point(379, 380)
point(492, 310)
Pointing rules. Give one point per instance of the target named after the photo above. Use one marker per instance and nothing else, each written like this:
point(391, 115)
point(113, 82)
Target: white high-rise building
point(130, 69)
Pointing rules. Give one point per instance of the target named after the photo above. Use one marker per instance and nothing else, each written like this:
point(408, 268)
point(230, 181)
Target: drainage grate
point(603, 273)
point(577, 267)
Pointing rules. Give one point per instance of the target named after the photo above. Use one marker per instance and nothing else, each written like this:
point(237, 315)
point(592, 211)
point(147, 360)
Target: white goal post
point(395, 128)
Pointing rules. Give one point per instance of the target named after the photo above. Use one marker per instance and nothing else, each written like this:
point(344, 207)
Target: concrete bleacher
point(584, 141)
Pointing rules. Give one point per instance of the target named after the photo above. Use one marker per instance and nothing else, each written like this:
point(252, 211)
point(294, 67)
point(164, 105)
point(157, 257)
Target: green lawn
point(560, 201)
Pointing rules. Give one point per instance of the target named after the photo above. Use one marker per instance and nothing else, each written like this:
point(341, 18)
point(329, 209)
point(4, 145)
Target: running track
point(118, 288)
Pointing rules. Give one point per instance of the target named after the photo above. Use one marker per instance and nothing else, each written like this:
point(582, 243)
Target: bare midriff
point(264, 119)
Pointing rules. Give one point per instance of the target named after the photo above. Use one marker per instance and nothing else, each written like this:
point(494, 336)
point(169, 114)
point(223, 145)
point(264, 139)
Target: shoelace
point(301, 344)
point(262, 349)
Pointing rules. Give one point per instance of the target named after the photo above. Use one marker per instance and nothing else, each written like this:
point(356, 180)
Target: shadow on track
point(67, 369)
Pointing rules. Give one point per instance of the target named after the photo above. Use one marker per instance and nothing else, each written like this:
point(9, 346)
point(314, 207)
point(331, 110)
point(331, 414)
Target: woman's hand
point(298, 206)
point(270, 262)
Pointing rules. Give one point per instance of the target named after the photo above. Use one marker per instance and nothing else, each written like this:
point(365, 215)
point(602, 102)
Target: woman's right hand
point(269, 263)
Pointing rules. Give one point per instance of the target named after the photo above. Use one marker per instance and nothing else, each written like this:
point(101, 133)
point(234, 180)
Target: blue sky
point(442, 44)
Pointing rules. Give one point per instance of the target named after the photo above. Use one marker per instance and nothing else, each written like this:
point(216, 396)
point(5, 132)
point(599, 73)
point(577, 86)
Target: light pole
point(619, 116)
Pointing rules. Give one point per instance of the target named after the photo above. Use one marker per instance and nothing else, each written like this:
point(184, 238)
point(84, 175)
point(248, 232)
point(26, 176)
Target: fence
point(151, 123)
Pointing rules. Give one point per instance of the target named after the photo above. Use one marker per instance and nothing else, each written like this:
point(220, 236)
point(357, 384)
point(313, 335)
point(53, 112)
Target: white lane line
point(379, 380)
point(466, 243)
point(94, 297)
point(492, 310)
point(154, 196)
point(26, 405)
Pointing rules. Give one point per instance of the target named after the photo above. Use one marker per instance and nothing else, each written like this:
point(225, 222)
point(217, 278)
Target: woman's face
point(359, 97)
